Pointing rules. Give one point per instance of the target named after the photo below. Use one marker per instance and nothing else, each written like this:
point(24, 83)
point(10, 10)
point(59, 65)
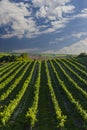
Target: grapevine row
point(83, 67)
point(6, 70)
point(76, 67)
point(79, 108)
point(5, 66)
point(5, 115)
point(61, 119)
point(15, 83)
point(81, 61)
point(65, 104)
point(9, 72)
point(72, 81)
point(3, 84)
point(74, 73)
point(31, 114)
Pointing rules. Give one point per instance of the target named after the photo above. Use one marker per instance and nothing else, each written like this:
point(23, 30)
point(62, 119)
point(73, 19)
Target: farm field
point(43, 95)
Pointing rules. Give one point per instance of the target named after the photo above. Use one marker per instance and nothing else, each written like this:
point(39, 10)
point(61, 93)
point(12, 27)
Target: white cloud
point(42, 12)
point(82, 14)
point(79, 35)
point(14, 15)
point(84, 10)
point(68, 8)
point(39, 3)
point(12, 34)
point(75, 48)
point(55, 8)
point(12, 11)
point(49, 30)
point(18, 16)
point(58, 24)
point(53, 11)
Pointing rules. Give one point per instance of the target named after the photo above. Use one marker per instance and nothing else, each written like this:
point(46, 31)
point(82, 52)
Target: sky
point(43, 26)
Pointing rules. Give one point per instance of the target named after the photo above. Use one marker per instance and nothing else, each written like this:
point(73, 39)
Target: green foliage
point(61, 119)
point(79, 108)
point(31, 114)
point(5, 115)
point(10, 77)
point(24, 56)
point(82, 54)
point(15, 66)
point(12, 58)
point(4, 95)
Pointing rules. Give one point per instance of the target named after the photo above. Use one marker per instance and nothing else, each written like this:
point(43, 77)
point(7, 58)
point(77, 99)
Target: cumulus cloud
point(10, 12)
point(53, 11)
point(39, 3)
point(75, 48)
point(18, 19)
point(82, 14)
point(55, 8)
point(84, 11)
point(14, 15)
point(79, 35)
point(58, 24)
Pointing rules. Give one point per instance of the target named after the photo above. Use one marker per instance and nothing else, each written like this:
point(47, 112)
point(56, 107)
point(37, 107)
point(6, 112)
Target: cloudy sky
point(43, 26)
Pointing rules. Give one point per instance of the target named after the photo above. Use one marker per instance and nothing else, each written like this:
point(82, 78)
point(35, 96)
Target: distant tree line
point(12, 58)
point(82, 54)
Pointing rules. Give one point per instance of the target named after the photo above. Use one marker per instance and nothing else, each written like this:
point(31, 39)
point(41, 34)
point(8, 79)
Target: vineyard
point(43, 95)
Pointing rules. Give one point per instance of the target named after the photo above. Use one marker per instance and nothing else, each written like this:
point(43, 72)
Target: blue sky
point(43, 26)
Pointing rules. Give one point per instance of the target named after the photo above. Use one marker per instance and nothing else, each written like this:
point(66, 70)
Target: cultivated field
point(43, 95)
